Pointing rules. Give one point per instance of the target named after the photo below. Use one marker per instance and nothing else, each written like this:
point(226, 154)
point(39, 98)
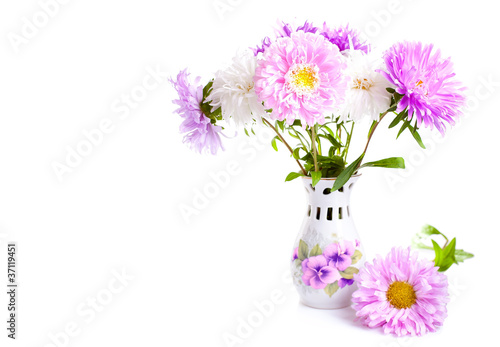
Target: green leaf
point(438, 252)
point(356, 256)
point(331, 166)
point(246, 131)
point(397, 97)
point(392, 109)
point(416, 136)
point(390, 90)
point(403, 128)
point(429, 230)
point(303, 250)
point(273, 143)
point(315, 251)
point(316, 177)
point(426, 231)
point(296, 153)
point(448, 256)
point(349, 272)
point(391, 163)
point(397, 119)
point(331, 288)
point(372, 128)
point(461, 255)
point(207, 89)
point(291, 133)
point(332, 140)
point(307, 158)
point(346, 174)
point(293, 175)
point(331, 152)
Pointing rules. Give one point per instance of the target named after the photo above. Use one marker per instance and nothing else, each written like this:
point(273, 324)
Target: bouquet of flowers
point(313, 85)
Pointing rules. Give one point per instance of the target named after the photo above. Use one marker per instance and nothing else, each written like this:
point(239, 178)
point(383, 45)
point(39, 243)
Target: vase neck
point(325, 204)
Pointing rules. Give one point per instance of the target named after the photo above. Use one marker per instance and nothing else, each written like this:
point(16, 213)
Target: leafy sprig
point(447, 254)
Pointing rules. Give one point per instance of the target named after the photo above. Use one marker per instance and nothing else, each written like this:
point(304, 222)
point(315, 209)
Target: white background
point(118, 210)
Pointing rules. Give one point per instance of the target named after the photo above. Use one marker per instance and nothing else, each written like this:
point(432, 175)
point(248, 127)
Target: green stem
point(339, 135)
point(318, 139)
point(348, 142)
point(313, 141)
point(286, 144)
point(370, 137)
point(299, 135)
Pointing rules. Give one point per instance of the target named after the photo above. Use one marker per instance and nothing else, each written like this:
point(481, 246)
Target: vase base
point(337, 306)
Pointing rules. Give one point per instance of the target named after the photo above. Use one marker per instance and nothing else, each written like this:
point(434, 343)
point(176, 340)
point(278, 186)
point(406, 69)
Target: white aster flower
point(233, 91)
point(366, 93)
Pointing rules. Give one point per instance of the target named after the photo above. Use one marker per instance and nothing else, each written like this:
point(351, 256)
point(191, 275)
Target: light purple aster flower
point(342, 36)
point(401, 293)
point(285, 30)
point(199, 133)
point(295, 253)
point(431, 93)
point(339, 254)
point(317, 273)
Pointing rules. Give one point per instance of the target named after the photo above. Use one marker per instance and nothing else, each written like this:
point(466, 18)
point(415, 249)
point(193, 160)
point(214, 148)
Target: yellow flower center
point(361, 83)
point(401, 295)
point(302, 78)
point(421, 87)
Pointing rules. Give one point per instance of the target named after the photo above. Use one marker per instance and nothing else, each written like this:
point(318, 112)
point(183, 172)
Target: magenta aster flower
point(200, 134)
point(317, 273)
point(342, 36)
point(301, 75)
point(339, 254)
point(431, 93)
point(402, 294)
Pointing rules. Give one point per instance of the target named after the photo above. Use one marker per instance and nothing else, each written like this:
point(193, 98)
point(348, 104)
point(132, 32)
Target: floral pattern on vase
point(329, 269)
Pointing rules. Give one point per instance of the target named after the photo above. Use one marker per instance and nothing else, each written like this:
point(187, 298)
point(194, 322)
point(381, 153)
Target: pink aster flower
point(199, 133)
point(402, 294)
point(301, 76)
point(317, 273)
point(431, 93)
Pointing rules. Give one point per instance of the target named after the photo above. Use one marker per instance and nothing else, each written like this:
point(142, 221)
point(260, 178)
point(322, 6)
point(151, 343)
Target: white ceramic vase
point(328, 250)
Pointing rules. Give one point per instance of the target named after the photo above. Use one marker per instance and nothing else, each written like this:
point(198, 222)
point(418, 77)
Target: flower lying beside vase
point(314, 85)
